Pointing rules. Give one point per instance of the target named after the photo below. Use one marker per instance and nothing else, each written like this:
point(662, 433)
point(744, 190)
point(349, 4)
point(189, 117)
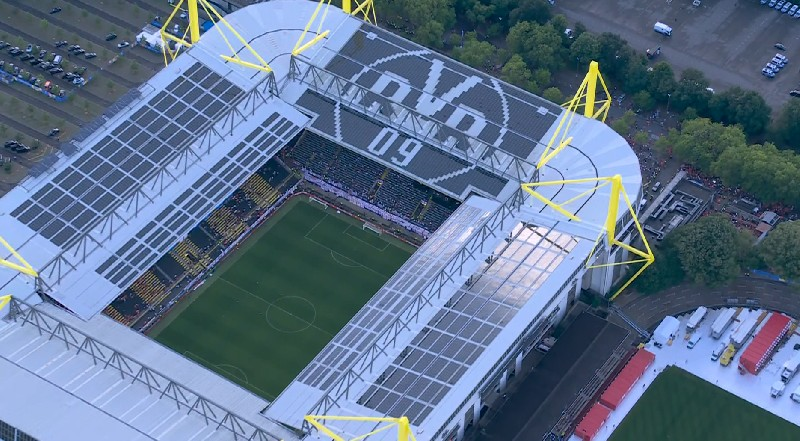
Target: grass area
point(273, 305)
point(681, 406)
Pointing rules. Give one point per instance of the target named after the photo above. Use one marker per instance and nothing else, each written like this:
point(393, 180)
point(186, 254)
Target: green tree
point(739, 106)
point(700, 142)
point(553, 94)
point(584, 49)
point(781, 250)
point(476, 53)
point(430, 34)
point(623, 124)
point(787, 125)
point(644, 101)
point(689, 113)
point(762, 170)
point(665, 272)
point(661, 81)
point(537, 11)
point(641, 138)
point(691, 91)
point(539, 45)
point(542, 77)
point(419, 12)
point(516, 72)
point(709, 249)
point(636, 76)
point(615, 54)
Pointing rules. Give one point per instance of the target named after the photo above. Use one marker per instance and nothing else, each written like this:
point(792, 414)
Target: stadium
point(363, 128)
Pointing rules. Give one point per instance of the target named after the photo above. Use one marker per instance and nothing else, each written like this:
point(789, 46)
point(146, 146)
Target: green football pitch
point(280, 298)
point(681, 406)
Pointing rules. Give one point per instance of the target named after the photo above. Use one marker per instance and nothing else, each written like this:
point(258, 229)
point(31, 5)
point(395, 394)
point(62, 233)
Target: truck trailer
point(696, 318)
point(722, 322)
point(743, 332)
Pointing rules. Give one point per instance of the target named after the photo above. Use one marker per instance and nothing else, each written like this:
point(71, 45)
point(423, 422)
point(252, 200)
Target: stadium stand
point(371, 181)
point(203, 244)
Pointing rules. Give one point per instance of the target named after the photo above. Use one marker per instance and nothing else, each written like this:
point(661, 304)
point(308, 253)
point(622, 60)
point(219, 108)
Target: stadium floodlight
point(193, 31)
point(608, 229)
point(365, 8)
point(403, 426)
point(585, 98)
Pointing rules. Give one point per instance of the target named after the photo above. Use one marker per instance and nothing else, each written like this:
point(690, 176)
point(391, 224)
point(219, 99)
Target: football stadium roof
point(66, 379)
point(126, 193)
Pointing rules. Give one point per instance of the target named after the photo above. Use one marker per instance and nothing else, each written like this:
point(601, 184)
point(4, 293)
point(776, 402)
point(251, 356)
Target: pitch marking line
point(224, 368)
point(357, 265)
point(315, 225)
point(340, 254)
point(272, 305)
point(385, 244)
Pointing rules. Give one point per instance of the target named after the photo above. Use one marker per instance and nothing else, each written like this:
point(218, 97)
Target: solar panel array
point(451, 342)
point(198, 200)
point(120, 163)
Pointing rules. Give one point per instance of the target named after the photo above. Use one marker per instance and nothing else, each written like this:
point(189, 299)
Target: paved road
point(648, 311)
point(729, 41)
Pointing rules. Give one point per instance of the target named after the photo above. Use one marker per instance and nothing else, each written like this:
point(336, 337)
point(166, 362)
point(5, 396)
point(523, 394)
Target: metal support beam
point(193, 31)
point(403, 426)
point(607, 231)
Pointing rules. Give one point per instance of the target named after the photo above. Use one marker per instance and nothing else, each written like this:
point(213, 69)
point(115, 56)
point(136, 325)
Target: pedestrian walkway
point(648, 311)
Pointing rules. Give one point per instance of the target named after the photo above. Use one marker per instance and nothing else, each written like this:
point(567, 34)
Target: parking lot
point(89, 84)
point(730, 41)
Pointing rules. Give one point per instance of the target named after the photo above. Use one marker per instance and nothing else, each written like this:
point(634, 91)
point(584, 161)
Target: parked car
point(79, 51)
point(786, 7)
point(780, 4)
point(793, 9)
point(90, 55)
point(61, 43)
point(782, 57)
point(29, 49)
point(123, 44)
point(26, 57)
point(780, 46)
point(797, 14)
point(55, 70)
point(769, 73)
point(795, 93)
point(55, 10)
point(773, 67)
point(4, 45)
point(778, 62)
point(35, 61)
point(111, 36)
point(772, 3)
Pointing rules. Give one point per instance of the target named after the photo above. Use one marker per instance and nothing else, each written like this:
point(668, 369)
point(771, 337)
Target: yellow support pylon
point(586, 97)
point(608, 229)
point(365, 8)
point(23, 266)
point(194, 33)
point(403, 426)
point(4, 301)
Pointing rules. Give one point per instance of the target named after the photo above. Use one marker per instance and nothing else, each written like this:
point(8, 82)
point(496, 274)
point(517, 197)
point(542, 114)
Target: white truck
point(663, 29)
point(696, 318)
point(790, 367)
point(666, 331)
point(743, 332)
point(722, 322)
point(777, 389)
point(796, 395)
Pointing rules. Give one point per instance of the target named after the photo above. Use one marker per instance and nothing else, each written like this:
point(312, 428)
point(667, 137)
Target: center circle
point(291, 314)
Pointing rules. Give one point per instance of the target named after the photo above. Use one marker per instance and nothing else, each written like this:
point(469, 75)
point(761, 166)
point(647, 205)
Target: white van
point(693, 341)
point(661, 28)
point(718, 351)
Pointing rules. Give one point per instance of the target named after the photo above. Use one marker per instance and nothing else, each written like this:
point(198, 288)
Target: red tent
point(625, 380)
point(759, 351)
point(592, 422)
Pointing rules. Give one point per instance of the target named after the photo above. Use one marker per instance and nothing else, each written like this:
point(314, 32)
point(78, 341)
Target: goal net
point(313, 199)
point(372, 227)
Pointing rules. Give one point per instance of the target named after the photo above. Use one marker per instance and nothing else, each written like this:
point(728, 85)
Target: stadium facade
point(439, 338)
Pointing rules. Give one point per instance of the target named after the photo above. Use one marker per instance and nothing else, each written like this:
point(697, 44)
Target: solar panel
point(128, 155)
